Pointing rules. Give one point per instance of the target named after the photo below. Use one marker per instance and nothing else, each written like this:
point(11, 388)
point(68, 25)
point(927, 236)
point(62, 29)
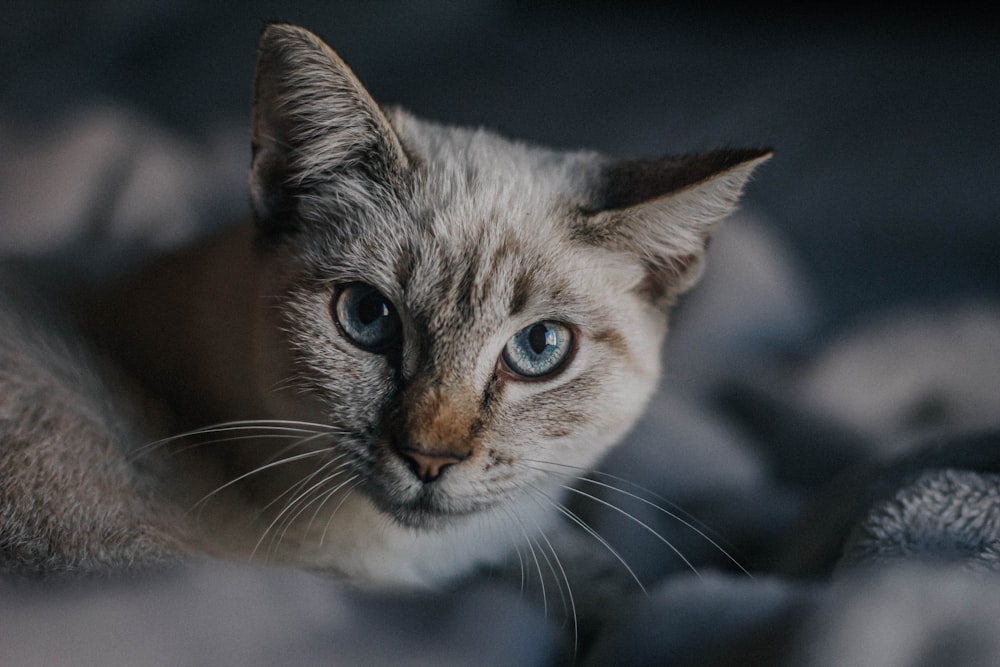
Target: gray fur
point(472, 238)
point(69, 501)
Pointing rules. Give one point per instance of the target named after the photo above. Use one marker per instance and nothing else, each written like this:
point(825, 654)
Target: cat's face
point(460, 336)
point(464, 312)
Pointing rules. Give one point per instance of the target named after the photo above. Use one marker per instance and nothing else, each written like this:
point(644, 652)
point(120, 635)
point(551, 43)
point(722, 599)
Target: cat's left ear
point(664, 211)
point(314, 125)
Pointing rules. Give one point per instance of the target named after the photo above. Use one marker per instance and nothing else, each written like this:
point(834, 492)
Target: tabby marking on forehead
point(521, 292)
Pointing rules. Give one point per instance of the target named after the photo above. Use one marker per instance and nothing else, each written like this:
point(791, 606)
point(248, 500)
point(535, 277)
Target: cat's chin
point(420, 518)
point(427, 510)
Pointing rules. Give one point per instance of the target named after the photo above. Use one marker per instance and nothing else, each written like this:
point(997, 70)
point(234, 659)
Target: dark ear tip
point(279, 25)
point(626, 183)
point(739, 156)
point(277, 29)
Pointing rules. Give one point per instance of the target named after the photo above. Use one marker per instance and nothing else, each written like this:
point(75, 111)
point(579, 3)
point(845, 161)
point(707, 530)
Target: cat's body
point(70, 500)
point(424, 334)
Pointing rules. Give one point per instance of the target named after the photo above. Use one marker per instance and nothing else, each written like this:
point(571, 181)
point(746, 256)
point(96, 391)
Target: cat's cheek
point(595, 412)
point(308, 372)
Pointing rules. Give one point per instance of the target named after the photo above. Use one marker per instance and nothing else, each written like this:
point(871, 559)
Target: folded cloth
point(941, 503)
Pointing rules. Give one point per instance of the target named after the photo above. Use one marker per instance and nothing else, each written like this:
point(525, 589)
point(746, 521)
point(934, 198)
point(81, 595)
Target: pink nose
point(429, 467)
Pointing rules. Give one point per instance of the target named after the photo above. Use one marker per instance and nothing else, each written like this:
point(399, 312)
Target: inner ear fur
point(312, 119)
point(663, 211)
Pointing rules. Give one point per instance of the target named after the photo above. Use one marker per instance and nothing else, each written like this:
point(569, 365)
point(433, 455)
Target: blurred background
point(886, 176)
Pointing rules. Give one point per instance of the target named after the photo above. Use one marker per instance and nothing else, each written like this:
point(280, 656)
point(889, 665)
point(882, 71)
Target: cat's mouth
point(427, 514)
point(426, 507)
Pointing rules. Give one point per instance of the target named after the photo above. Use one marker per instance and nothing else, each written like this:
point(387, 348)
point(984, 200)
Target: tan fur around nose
point(441, 423)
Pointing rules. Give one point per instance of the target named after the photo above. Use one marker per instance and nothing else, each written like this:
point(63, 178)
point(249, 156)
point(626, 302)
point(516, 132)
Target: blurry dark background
point(886, 176)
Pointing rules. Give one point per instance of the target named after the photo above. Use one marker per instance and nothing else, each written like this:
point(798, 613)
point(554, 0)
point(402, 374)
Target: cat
point(421, 336)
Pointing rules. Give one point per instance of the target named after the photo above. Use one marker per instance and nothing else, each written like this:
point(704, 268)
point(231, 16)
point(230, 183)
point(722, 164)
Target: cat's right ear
point(313, 124)
point(663, 212)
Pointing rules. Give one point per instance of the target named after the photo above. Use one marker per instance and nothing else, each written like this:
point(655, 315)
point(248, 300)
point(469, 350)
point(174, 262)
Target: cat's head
point(466, 312)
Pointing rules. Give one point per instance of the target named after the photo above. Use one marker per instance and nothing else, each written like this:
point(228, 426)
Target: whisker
point(569, 591)
point(321, 498)
point(689, 522)
point(517, 546)
point(538, 567)
point(298, 443)
point(675, 517)
point(283, 519)
point(289, 507)
point(284, 384)
point(562, 571)
point(237, 438)
point(585, 474)
point(297, 497)
point(555, 577)
point(266, 466)
point(572, 516)
point(329, 520)
point(299, 484)
point(638, 521)
point(275, 426)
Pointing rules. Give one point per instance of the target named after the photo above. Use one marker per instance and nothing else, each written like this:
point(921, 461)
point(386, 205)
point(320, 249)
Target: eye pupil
point(371, 307)
point(538, 338)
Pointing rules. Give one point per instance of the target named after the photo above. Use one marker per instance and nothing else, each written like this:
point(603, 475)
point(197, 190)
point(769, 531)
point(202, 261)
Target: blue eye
point(539, 349)
point(366, 317)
